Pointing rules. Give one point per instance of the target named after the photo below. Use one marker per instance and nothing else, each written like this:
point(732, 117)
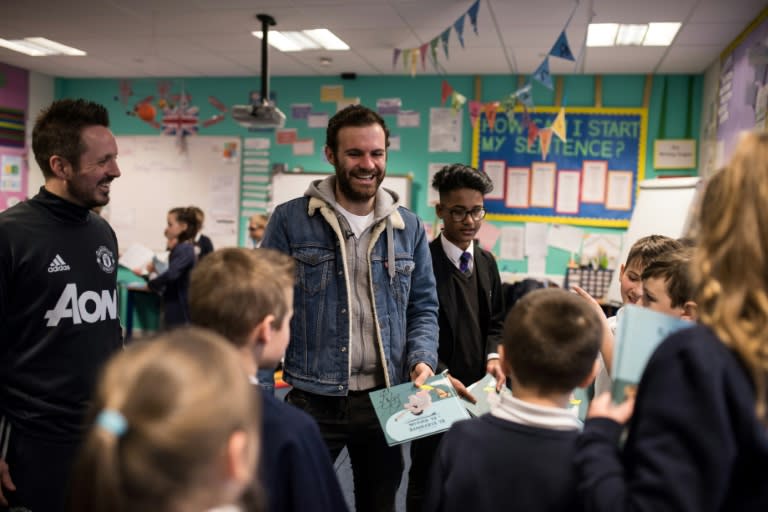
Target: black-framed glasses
point(459, 214)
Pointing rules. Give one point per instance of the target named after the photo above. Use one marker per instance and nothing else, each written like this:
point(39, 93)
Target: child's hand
point(461, 389)
point(603, 407)
point(493, 366)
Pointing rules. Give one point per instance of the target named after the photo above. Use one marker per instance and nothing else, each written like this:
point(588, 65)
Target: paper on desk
point(136, 256)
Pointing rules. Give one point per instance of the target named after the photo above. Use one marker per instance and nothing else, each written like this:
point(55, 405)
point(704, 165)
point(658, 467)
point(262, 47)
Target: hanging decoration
point(458, 26)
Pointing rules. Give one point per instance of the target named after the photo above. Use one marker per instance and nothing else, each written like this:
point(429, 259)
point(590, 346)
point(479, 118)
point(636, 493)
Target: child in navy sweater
point(247, 296)
point(698, 437)
point(519, 457)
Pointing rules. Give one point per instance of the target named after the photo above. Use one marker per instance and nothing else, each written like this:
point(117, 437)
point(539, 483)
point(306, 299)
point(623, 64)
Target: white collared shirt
point(454, 253)
point(555, 418)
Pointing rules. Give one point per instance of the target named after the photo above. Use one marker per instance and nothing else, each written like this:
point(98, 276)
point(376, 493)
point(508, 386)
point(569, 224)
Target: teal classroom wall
point(674, 112)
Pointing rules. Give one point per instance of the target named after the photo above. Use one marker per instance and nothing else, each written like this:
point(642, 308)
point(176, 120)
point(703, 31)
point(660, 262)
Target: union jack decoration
point(181, 119)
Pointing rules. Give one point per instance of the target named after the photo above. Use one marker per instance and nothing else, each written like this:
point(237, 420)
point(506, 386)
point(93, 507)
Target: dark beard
point(345, 186)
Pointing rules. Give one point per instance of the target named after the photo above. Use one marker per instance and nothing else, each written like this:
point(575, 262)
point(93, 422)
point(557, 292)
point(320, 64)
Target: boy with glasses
point(469, 291)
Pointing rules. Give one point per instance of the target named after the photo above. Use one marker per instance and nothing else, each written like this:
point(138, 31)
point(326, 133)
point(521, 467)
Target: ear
point(60, 166)
point(621, 270)
point(503, 358)
point(439, 210)
point(690, 310)
point(592, 375)
point(238, 458)
point(262, 333)
point(330, 156)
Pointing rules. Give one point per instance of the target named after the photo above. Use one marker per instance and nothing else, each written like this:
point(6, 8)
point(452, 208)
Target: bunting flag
point(459, 28)
point(561, 48)
point(533, 133)
point(414, 62)
point(526, 116)
point(445, 36)
point(508, 103)
point(545, 138)
point(446, 92)
point(542, 75)
point(472, 13)
point(433, 49)
point(558, 125)
point(474, 112)
point(423, 51)
point(457, 101)
point(524, 96)
point(490, 113)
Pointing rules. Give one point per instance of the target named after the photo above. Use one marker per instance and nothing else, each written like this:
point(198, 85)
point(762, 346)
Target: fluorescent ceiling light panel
point(601, 34)
point(293, 41)
point(57, 48)
point(327, 39)
point(39, 47)
point(631, 35)
point(661, 34)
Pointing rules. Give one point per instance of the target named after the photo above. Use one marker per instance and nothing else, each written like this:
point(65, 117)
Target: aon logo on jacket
point(89, 307)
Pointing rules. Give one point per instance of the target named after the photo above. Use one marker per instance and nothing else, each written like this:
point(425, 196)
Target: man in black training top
point(471, 301)
point(58, 303)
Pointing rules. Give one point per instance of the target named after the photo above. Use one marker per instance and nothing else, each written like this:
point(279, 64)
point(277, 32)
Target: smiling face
point(460, 233)
point(89, 184)
point(656, 297)
point(360, 162)
point(631, 283)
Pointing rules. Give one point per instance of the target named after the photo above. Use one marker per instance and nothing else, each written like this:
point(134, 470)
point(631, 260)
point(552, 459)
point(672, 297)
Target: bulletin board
point(590, 180)
point(287, 186)
point(157, 175)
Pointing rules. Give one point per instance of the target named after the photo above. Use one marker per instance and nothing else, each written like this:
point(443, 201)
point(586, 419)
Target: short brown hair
point(58, 131)
point(674, 267)
point(649, 248)
point(353, 115)
point(188, 216)
point(551, 340)
point(233, 290)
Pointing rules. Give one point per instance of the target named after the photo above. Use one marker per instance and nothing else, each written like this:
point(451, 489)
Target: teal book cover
point(406, 412)
point(638, 333)
point(484, 391)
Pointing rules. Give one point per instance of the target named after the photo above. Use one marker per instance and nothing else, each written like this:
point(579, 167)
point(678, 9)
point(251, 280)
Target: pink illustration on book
point(417, 403)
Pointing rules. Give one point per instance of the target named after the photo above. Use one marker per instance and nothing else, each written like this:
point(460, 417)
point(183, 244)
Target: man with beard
point(365, 302)
point(58, 304)
point(471, 302)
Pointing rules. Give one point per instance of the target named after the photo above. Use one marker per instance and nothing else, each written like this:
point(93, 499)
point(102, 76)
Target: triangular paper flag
point(474, 112)
point(490, 113)
point(446, 92)
point(526, 116)
point(561, 48)
point(533, 133)
point(445, 36)
point(542, 75)
point(508, 103)
point(457, 100)
point(545, 138)
point(423, 51)
point(558, 125)
point(459, 27)
point(406, 58)
point(524, 95)
point(472, 12)
point(395, 55)
point(433, 49)
point(414, 61)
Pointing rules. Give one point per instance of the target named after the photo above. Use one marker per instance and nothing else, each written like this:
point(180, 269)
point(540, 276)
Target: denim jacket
point(405, 301)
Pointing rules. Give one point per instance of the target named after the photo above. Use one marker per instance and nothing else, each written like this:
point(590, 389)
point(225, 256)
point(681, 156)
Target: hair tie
point(112, 421)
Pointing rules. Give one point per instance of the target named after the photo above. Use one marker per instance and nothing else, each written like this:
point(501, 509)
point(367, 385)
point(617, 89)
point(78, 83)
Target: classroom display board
point(286, 186)
point(157, 175)
point(590, 180)
point(665, 206)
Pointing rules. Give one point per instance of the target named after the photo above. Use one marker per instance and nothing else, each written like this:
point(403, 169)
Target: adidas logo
point(57, 265)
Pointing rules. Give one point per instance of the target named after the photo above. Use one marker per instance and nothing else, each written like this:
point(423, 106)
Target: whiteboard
point(156, 176)
point(290, 186)
point(664, 207)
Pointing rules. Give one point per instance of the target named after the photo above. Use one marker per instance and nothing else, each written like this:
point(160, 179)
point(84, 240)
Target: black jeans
point(423, 452)
point(350, 421)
